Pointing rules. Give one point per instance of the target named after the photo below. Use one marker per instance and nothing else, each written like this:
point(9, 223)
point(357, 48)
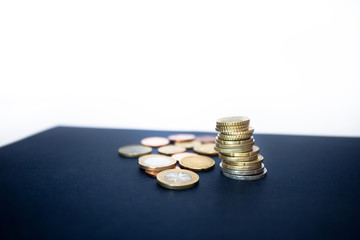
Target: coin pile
point(163, 166)
point(235, 144)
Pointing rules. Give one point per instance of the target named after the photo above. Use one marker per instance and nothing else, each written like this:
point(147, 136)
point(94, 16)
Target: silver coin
point(243, 173)
point(252, 177)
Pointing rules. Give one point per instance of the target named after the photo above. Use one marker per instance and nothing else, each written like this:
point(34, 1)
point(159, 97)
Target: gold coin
point(233, 121)
point(258, 161)
point(153, 173)
point(177, 179)
point(197, 163)
point(134, 150)
point(188, 144)
point(224, 142)
point(206, 149)
point(240, 168)
point(156, 162)
point(233, 156)
point(235, 146)
point(206, 138)
point(231, 129)
point(250, 131)
point(227, 137)
point(155, 141)
point(233, 150)
point(171, 149)
point(238, 159)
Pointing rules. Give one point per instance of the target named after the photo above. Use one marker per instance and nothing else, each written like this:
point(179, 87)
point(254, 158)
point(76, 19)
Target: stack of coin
point(235, 144)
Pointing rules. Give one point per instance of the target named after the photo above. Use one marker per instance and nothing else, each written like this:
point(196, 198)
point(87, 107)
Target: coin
point(197, 163)
point(235, 146)
point(249, 131)
point(177, 179)
point(171, 149)
point(206, 138)
point(237, 156)
point(188, 144)
point(224, 142)
point(241, 168)
point(238, 159)
point(258, 161)
point(179, 156)
point(153, 173)
point(227, 137)
point(206, 149)
point(181, 137)
point(243, 173)
point(251, 177)
point(245, 148)
point(134, 150)
point(231, 129)
point(156, 162)
point(231, 121)
point(155, 141)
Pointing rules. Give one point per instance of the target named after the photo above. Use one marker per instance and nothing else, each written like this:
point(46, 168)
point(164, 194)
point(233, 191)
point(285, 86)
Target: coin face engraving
point(157, 161)
point(178, 177)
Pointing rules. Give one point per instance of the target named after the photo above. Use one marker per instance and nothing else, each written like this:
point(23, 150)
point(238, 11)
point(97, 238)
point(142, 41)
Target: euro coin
point(206, 138)
point(227, 137)
point(177, 179)
point(156, 162)
point(224, 142)
point(240, 168)
point(236, 146)
point(134, 150)
point(155, 141)
point(153, 173)
point(233, 121)
point(258, 161)
point(243, 173)
point(188, 144)
point(197, 163)
point(179, 156)
point(238, 159)
point(171, 149)
point(231, 129)
point(234, 150)
point(249, 131)
point(254, 151)
point(251, 177)
point(206, 149)
point(181, 137)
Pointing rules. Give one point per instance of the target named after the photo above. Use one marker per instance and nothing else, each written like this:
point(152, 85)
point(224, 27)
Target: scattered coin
point(134, 150)
point(155, 141)
point(156, 162)
point(188, 144)
point(250, 177)
point(179, 156)
point(206, 138)
point(181, 137)
point(197, 163)
point(171, 149)
point(153, 173)
point(206, 149)
point(177, 179)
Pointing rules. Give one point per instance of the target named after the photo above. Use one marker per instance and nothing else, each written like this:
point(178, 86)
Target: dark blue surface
point(70, 183)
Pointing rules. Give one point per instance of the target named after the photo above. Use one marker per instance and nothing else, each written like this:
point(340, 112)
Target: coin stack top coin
point(235, 144)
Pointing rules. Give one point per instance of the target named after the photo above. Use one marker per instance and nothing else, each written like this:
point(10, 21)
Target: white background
point(291, 66)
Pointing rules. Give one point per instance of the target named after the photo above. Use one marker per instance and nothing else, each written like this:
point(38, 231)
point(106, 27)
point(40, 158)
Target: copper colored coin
point(206, 138)
point(181, 137)
point(155, 141)
point(179, 156)
point(153, 173)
